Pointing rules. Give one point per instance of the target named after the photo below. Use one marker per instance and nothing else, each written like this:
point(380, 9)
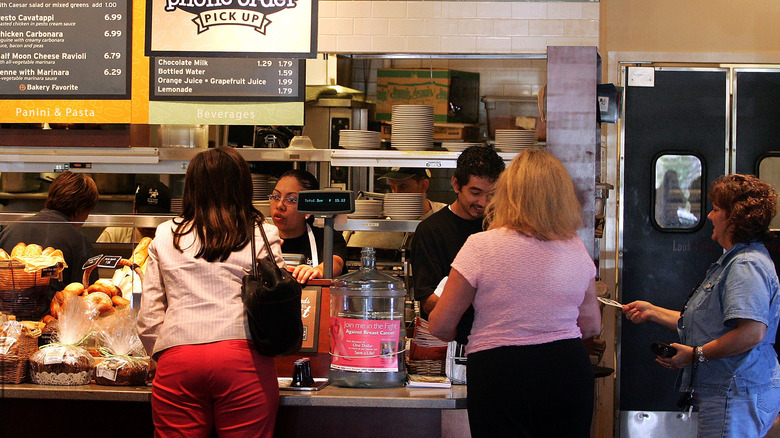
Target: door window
point(678, 192)
point(769, 171)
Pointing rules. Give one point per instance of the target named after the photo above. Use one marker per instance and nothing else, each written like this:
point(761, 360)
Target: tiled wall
point(454, 26)
point(457, 27)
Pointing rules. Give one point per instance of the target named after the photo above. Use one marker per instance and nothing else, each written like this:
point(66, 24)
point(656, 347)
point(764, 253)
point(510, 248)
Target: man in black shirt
point(438, 238)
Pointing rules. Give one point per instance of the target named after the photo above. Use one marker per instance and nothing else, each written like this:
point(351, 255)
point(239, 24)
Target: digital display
point(326, 202)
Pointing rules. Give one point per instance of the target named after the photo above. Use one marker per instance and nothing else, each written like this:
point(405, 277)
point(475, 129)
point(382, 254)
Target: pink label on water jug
point(364, 345)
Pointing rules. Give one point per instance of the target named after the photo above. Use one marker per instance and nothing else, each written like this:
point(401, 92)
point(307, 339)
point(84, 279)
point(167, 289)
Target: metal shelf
point(131, 160)
point(378, 224)
point(387, 158)
point(104, 220)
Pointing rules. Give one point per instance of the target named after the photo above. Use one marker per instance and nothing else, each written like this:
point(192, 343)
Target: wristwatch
point(700, 355)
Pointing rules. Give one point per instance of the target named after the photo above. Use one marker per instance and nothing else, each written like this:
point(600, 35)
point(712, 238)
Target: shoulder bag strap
point(267, 245)
point(255, 274)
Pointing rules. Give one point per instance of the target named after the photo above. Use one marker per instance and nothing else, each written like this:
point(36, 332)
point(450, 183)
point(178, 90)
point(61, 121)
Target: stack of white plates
point(454, 146)
point(412, 127)
point(262, 186)
point(404, 206)
point(359, 139)
point(367, 209)
point(176, 205)
point(514, 140)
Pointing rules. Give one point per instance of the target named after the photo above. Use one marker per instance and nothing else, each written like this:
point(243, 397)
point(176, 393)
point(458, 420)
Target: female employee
point(298, 235)
point(532, 285)
point(192, 321)
point(729, 323)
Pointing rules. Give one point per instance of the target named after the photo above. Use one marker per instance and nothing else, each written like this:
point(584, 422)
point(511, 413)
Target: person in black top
point(71, 198)
point(438, 238)
point(298, 234)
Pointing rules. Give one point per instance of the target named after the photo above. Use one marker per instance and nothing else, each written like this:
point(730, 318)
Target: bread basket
point(13, 361)
point(25, 293)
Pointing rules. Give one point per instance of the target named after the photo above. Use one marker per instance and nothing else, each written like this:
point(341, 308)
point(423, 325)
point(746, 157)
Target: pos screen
point(326, 202)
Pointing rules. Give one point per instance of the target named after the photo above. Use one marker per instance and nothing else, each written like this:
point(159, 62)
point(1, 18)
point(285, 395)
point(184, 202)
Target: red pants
point(225, 386)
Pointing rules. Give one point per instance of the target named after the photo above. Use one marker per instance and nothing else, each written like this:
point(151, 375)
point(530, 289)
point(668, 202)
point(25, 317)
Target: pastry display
point(125, 361)
point(64, 361)
point(122, 371)
point(57, 364)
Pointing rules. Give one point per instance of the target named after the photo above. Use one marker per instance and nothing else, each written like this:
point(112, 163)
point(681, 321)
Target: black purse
point(272, 303)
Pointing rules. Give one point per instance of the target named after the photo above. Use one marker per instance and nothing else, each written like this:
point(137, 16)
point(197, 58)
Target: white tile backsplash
point(494, 10)
point(389, 9)
point(458, 27)
point(371, 26)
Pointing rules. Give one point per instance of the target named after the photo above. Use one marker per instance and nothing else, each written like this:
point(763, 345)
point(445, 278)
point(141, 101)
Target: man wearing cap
point(150, 198)
point(400, 180)
point(438, 238)
point(413, 180)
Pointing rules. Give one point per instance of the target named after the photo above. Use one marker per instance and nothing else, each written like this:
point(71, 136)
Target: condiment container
point(367, 336)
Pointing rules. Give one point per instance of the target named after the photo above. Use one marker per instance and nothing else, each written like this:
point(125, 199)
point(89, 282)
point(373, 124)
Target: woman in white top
point(531, 282)
point(209, 376)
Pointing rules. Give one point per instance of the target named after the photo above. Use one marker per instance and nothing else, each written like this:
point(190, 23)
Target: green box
point(453, 94)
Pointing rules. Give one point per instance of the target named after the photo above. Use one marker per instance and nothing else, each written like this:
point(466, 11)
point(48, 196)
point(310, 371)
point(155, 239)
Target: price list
point(219, 79)
point(65, 49)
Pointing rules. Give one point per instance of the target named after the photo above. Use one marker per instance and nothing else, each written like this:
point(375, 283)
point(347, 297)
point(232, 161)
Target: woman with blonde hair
point(531, 282)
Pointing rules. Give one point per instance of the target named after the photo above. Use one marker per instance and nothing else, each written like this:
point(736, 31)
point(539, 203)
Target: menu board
point(65, 49)
point(220, 79)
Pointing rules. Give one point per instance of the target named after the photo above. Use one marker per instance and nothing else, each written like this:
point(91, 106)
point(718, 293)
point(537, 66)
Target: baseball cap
point(153, 197)
point(406, 173)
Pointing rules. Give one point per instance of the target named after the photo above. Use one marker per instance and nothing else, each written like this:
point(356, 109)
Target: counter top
point(330, 396)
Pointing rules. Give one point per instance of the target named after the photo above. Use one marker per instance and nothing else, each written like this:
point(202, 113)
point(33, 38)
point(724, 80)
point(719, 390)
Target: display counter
point(28, 409)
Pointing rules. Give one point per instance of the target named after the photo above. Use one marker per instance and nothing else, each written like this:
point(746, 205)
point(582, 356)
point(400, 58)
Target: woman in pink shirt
point(532, 285)
point(192, 321)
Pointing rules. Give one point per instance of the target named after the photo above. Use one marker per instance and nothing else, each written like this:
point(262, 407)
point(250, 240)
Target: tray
point(319, 383)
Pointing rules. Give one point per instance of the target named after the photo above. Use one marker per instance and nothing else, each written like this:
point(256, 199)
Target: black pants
point(535, 391)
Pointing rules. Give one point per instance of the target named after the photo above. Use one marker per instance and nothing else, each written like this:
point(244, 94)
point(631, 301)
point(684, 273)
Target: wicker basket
point(13, 276)
point(426, 367)
point(13, 367)
point(25, 294)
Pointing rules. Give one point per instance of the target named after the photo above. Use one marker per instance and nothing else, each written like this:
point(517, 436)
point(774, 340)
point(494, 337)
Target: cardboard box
point(503, 112)
point(443, 131)
point(453, 94)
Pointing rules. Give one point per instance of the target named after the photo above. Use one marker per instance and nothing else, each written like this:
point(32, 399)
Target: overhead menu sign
point(65, 49)
point(227, 79)
point(232, 28)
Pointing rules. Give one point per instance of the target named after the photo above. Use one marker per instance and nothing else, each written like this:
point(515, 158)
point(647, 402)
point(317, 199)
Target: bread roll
point(105, 286)
point(101, 302)
point(74, 288)
point(48, 250)
point(32, 250)
point(119, 301)
point(18, 250)
point(4, 255)
point(56, 303)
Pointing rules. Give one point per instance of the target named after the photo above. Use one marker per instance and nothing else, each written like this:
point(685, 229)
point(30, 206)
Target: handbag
point(272, 303)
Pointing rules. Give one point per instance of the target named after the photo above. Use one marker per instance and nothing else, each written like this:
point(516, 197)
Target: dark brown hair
point(217, 204)
point(479, 161)
point(750, 205)
point(72, 193)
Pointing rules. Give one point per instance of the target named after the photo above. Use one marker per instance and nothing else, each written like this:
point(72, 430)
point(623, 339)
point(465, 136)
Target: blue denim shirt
point(741, 284)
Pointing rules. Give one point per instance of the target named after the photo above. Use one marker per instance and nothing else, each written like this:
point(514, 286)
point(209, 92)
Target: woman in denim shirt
point(728, 326)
